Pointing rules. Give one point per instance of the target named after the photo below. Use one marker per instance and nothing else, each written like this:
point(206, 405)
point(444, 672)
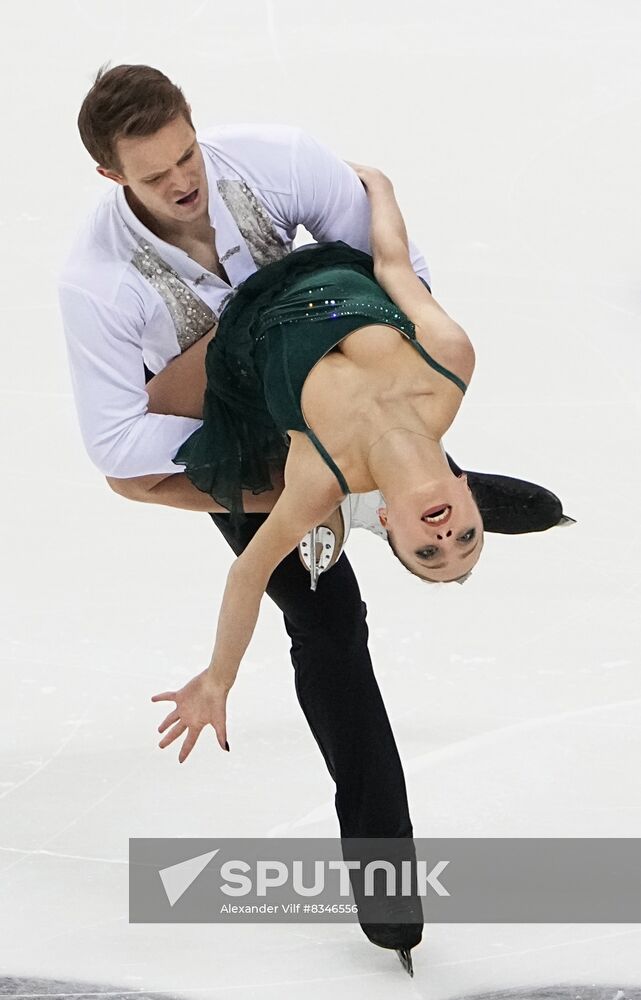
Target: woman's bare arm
point(388, 235)
point(392, 266)
point(310, 495)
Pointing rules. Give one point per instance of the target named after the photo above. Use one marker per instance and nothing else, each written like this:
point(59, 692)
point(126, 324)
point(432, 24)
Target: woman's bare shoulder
point(449, 344)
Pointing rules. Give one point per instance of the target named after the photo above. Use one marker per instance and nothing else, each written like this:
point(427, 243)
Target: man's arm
point(130, 445)
point(104, 349)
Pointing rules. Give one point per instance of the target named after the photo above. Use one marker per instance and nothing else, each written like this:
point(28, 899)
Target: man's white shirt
point(130, 299)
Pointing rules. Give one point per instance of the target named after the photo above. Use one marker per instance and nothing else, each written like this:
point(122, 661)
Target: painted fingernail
point(226, 745)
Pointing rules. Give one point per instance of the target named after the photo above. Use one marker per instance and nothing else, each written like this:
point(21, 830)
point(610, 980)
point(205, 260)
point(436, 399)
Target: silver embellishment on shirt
point(225, 299)
point(230, 253)
point(253, 221)
point(192, 317)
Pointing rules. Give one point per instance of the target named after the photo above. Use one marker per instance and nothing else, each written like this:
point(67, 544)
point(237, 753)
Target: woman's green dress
point(277, 325)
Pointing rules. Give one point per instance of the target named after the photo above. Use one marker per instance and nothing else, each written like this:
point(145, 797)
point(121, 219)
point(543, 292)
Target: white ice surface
point(511, 131)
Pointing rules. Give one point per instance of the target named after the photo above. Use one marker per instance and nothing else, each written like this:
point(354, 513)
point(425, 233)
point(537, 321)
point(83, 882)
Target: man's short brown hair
point(127, 101)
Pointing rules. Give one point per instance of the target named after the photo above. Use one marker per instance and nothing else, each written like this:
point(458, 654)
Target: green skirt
point(243, 438)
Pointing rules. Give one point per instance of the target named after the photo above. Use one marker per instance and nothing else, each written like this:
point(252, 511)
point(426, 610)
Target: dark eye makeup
point(432, 550)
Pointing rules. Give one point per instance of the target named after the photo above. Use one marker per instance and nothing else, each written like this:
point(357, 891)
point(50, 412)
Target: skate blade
point(405, 958)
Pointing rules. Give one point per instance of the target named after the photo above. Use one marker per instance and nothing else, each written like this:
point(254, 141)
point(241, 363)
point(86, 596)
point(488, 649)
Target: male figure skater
point(186, 220)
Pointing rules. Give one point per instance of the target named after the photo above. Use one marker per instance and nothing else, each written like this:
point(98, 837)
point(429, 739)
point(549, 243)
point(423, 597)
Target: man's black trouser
point(337, 689)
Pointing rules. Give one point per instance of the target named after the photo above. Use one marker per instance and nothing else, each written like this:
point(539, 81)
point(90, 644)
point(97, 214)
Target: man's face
point(165, 172)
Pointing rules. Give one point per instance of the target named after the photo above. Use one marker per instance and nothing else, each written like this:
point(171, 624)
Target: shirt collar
point(173, 255)
point(231, 247)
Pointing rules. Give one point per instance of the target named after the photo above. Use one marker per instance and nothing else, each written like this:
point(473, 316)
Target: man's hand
point(201, 702)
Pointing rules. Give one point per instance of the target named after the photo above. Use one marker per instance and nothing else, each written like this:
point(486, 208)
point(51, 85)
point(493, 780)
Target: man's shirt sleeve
point(107, 374)
point(331, 202)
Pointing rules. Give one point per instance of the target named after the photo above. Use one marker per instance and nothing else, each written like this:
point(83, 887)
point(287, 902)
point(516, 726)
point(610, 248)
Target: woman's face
point(440, 537)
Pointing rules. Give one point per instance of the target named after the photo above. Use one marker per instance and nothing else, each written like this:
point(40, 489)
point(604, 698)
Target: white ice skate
point(321, 547)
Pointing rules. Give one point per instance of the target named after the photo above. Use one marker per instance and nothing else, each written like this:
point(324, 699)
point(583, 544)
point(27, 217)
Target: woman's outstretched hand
point(199, 703)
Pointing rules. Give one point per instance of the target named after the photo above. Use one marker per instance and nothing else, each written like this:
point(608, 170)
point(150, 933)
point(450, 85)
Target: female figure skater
point(356, 348)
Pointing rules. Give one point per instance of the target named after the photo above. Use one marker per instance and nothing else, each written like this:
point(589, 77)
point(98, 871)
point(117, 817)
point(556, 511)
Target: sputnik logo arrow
point(177, 878)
